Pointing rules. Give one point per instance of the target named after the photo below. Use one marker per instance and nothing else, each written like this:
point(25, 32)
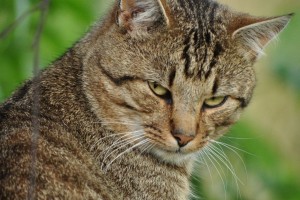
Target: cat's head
point(172, 75)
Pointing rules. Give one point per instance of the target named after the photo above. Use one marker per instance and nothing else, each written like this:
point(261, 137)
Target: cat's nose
point(183, 140)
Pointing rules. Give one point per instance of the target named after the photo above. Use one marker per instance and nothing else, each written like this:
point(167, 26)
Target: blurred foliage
point(66, 22)
point(269, 173)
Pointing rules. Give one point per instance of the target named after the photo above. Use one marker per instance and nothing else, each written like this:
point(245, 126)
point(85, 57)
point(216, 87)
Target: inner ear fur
point(253, 34)
point(138, 16)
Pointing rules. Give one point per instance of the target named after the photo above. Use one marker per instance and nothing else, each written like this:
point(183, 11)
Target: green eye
point(215, 102)
point(158, 89)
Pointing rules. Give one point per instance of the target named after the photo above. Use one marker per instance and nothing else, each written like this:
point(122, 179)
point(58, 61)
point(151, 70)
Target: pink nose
point(183, 140)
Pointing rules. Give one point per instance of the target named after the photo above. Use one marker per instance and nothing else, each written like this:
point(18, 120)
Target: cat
point(124, 113)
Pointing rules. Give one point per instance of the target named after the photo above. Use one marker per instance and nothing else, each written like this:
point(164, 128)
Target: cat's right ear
point(137, 17)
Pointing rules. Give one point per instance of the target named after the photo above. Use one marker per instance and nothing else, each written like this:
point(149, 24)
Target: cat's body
point(124, 112)
point(68, 167)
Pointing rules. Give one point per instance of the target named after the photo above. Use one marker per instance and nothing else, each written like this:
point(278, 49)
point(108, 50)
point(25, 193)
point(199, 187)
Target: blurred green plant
point(66, 22)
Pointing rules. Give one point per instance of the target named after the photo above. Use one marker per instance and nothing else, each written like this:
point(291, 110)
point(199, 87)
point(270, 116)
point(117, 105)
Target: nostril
point(178, 139)
point(183, 140)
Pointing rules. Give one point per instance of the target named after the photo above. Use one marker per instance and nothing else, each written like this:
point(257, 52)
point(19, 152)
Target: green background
point(265, 144)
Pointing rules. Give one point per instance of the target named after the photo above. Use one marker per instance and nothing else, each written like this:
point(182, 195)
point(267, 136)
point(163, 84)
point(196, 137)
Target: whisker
point(211, 158)
point(202, 158)
point(210, 154)
point(125, 123)
point(224, 159)
point(231, 147)
point(220, 154)
point(119, 140)
point(114, 121)
point(235, 152)
point(131, 140)
point(111, 147)
point(108, 136)
point(122, 142)
point(238, 138)
point(148, 147)
point(122, 153)
point(96, 143)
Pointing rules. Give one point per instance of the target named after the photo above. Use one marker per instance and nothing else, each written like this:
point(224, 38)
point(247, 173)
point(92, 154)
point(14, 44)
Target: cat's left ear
point(253, 34)
point(138, 16)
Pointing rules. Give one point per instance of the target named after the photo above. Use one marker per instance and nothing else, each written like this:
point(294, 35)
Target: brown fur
point(101, 133)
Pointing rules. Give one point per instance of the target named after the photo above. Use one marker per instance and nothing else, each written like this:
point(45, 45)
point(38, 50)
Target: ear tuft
point(138, 16)
point(255, 36)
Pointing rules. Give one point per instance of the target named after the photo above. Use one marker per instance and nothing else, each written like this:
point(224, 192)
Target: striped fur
point(103, 132)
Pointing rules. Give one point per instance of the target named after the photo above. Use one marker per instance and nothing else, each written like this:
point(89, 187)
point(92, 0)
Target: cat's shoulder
point(53, 162)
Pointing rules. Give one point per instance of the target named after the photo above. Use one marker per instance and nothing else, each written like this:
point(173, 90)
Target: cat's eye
point(161, 91)
point(215, 102)
point(158, 89)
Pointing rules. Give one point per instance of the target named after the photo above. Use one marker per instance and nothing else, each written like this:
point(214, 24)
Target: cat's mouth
point(175, 147)
point(175, 157)
point(177, 154)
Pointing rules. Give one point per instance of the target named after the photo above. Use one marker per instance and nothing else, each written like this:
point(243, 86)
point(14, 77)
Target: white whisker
point(125, 135)
point(114, 121)
point(211, 153)
point(108, 136)
point(203, 158)
point(122, 153)
point(148, 147)
point(238, 138)
point(123, 143)
point(231, 147)
point(225, 160)
point(124, 123)
point(103, 138)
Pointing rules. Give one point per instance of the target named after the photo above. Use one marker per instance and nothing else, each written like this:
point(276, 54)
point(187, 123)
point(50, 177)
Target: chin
point(173, 157)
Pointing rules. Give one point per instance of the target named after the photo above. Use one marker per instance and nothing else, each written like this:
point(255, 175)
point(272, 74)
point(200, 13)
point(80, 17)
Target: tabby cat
point(125, 111)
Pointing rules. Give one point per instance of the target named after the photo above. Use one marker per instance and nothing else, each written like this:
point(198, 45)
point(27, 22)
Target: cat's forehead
point(200, 13)
point(193, 53)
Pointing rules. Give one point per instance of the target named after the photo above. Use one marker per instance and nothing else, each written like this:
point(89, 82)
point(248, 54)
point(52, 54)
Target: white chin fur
point(173, 157)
